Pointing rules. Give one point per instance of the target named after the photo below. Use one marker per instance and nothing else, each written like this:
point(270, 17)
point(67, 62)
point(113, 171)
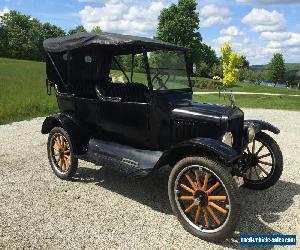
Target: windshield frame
point(149, 78)
point(148, 70)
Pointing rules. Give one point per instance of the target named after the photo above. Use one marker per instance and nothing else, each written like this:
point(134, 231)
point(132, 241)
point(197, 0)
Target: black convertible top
point(105, 39)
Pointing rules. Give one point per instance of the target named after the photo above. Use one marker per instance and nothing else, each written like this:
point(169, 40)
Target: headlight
point(228, 139)
point(251, 133)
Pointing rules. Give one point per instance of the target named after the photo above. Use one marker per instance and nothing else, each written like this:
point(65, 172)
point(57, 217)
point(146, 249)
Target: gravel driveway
point(105, 209)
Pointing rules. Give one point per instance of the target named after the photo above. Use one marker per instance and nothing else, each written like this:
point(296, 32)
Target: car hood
point(204, 111)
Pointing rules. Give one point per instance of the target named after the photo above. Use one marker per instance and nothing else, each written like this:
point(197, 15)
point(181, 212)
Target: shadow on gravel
point(151, 191)
point(261, 208)
point(258, 207)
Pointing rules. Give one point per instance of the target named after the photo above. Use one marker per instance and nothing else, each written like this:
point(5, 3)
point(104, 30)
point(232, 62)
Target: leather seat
point(85, 89)
point(129, 92)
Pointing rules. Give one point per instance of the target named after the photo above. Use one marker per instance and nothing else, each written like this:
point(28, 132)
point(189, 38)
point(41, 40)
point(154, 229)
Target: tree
point(48, 31)
point(231, 63)
point(216, 70)
point(244, 63)
point(276, 69)
point(206, 60)
point(77, 29)
point(178, 24)
point(17, 29)
point(22, 36)
point(256, 76)
point(97, 29)
point(291, 78)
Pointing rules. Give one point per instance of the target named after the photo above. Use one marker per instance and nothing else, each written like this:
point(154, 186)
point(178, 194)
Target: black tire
point(277, 161)
point(66, 173)
point(229, 224)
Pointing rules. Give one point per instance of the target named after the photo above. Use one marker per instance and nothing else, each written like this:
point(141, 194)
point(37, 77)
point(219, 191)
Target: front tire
point(60, 154)
point(266, 162)
point(204, 198)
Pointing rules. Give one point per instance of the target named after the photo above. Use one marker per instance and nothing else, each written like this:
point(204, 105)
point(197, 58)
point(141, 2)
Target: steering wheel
point(158, 77)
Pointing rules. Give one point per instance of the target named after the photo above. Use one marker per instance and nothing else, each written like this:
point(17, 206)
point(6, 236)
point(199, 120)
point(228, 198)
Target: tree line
point(22, 36)
point(180, 23)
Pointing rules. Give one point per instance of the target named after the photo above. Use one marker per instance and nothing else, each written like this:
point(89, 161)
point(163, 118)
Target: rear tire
point(60, 154)
point(214, 222)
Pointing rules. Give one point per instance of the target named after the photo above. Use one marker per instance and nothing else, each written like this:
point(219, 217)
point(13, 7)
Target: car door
point(134, 117)
point(120, 116)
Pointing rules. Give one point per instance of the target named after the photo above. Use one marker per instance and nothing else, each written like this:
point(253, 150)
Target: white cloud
point(211, 15)
point(223, 39)
point(232, 31)
point(283, 2)
point(287, 43)
point(292, 41)
point(117, 16)
point(262, 20)
point(213, 10)
point(3, 11)
point(210, 21)
point(246, 40)
point(275, 36)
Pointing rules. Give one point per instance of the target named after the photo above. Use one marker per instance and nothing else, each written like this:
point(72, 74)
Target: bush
point(206, 83)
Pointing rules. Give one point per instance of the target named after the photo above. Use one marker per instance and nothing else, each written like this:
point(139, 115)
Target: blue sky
point(255, 28)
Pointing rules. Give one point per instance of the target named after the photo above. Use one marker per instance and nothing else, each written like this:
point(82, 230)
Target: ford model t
point(126, 102)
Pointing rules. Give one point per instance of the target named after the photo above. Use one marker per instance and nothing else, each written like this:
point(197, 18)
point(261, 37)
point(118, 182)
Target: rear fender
point(79, 137)
point(199, 146)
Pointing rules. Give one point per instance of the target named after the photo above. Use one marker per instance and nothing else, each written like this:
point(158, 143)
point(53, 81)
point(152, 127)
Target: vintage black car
point(126, 102)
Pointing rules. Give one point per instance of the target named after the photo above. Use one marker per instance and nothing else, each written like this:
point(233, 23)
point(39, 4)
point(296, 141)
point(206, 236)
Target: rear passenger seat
point(129, 92)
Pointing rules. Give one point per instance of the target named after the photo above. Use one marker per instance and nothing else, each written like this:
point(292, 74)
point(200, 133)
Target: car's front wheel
point(204, 198)
point(265, 162)
point(60, 153)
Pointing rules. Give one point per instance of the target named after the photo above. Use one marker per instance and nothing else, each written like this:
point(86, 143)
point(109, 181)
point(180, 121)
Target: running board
point(130, 160)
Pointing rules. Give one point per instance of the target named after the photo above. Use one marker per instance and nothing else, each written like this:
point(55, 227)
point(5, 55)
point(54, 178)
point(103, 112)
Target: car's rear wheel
point(266, 162)
point(205, 198)
point(60, 153)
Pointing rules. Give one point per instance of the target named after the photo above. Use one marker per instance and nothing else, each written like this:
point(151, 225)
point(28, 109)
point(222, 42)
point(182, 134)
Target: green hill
point(289, 66)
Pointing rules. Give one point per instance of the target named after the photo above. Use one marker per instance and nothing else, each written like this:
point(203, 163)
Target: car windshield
point(168, 70)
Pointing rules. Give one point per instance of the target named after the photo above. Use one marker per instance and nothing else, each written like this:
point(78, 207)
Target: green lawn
point(250, 87)
point(22, 91)
point(23, 94)
point(254, 101)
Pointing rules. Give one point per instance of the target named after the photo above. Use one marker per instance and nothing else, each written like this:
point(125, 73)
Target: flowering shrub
point(231, 62)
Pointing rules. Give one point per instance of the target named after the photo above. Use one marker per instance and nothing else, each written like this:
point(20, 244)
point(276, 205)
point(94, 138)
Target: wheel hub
point(61, 153)
point(253, 160)
point(201, 198)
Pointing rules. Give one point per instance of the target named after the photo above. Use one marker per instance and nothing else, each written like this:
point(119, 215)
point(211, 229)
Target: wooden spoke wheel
point(60, 153)
point(264, 162)
point(203, 196)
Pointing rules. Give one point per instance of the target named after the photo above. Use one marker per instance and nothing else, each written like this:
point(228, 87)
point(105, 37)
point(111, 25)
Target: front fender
point(261, 125)
point(200, 146)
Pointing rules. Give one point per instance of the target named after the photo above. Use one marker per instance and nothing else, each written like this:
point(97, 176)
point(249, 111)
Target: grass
point(254, 101)
point(250, 87)
point(23, 94)
point(22, 91)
